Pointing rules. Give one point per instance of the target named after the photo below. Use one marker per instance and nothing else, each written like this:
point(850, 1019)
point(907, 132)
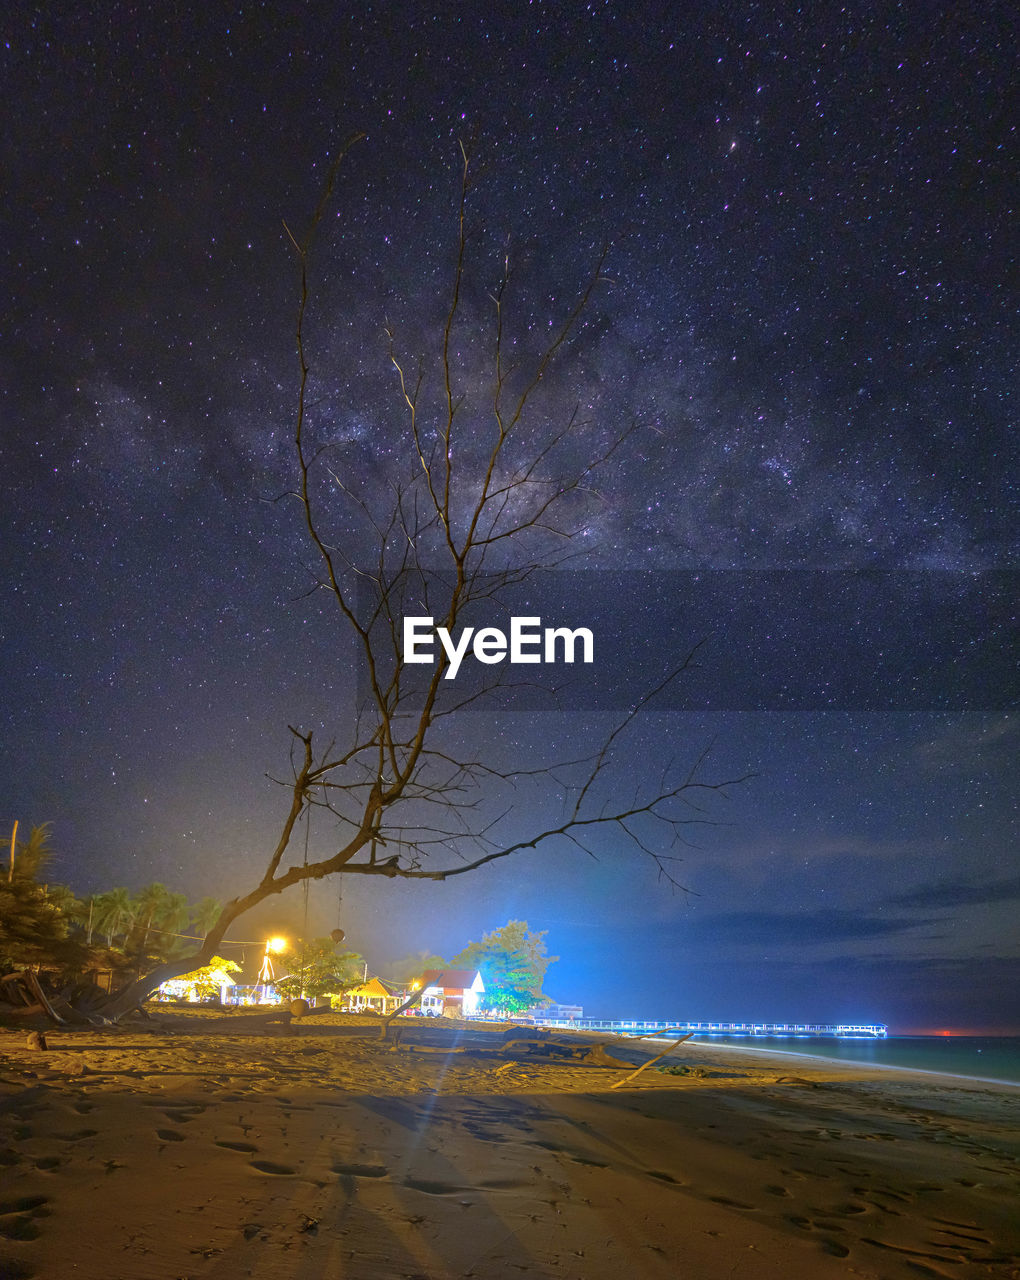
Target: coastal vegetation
point(47, 928)
point(484, 474)
point(512, 961)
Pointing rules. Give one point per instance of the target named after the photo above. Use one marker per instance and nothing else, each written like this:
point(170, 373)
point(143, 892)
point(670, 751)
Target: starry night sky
point(809, 319)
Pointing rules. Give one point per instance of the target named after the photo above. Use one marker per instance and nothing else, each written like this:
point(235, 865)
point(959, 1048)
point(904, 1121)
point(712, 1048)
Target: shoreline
point(851, 1063)
point(184, 1149)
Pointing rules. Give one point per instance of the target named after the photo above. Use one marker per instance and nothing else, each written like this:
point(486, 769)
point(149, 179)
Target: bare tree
point(474, 505)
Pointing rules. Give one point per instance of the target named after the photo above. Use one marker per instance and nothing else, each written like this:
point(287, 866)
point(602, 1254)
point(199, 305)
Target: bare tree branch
point(484, 492)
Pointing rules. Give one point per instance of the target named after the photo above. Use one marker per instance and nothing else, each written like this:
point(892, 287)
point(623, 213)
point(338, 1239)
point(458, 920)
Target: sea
point(980, 1057)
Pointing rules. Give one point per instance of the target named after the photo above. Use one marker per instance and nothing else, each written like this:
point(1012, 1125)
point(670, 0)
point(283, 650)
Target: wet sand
point(207, 1147)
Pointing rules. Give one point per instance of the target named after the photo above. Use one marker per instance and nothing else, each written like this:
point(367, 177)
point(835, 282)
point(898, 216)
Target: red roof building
point(452, 992)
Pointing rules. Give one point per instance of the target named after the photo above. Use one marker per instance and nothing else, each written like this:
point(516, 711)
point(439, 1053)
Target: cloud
point(776, 928)
point(948, 893)
point(968, 743)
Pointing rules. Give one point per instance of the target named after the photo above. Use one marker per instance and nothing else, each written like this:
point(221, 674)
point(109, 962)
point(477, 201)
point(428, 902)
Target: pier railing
point(807, 1030)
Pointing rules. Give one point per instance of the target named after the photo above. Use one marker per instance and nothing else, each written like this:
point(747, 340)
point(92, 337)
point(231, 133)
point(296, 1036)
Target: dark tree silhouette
point(484, 491)
point(33, 925)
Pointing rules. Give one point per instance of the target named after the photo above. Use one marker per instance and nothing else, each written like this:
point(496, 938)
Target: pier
point(782, 1030)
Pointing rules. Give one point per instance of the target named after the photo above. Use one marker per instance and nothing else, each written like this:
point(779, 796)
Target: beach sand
point(215, 1147)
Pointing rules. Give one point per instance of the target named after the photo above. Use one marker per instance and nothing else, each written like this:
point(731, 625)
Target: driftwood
point(21, 1010)
point(528, 1048)
point(384, 1030)
point(538, 1045)
point(34, 985)
point(23, 995)
point(242, 1023)
point(651, 1060)
point(518, 1032)
point(15, 991)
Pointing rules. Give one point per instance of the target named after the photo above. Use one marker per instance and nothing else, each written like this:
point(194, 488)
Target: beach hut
point(371, 997)
point(454, 993)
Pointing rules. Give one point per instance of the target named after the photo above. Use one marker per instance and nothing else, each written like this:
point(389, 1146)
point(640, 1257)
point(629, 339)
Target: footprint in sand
point(826, 1244)
point(484, 1132)
point(967, 1234)
point(169, 1135)
point(432, 1188)
point(17, 1217)
point(183, 1117)
point(362, 1170)
point(909, 1253)
point(888, 1194)
point(267, 1166)
point(731, 1204)
point(80, 1136)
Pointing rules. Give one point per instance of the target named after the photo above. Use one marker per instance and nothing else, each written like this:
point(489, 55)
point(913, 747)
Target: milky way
point(808, 321)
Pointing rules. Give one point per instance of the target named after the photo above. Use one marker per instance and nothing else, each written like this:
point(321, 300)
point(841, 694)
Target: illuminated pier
point(780, 1030)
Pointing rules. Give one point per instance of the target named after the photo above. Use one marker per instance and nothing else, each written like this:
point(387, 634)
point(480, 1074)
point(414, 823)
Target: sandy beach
point(213, 1147)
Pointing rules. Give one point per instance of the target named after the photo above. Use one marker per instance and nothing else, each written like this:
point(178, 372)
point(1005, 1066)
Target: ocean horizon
point(976, 1057)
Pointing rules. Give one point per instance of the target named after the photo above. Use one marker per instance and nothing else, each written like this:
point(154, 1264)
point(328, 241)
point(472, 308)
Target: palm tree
point(63, 898)
point(31, 855)
point(172, 919)
point(32, 928)
point(204, 915)
point(149, 904)
point(115, 913)
point(86, 912)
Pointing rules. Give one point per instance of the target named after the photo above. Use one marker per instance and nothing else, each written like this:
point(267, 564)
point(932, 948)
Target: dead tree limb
point(484, 486)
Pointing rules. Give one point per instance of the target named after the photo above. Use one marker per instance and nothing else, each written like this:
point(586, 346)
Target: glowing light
point(266, 976)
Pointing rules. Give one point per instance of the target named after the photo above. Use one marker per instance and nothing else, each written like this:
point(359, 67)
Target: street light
point(266, 976)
